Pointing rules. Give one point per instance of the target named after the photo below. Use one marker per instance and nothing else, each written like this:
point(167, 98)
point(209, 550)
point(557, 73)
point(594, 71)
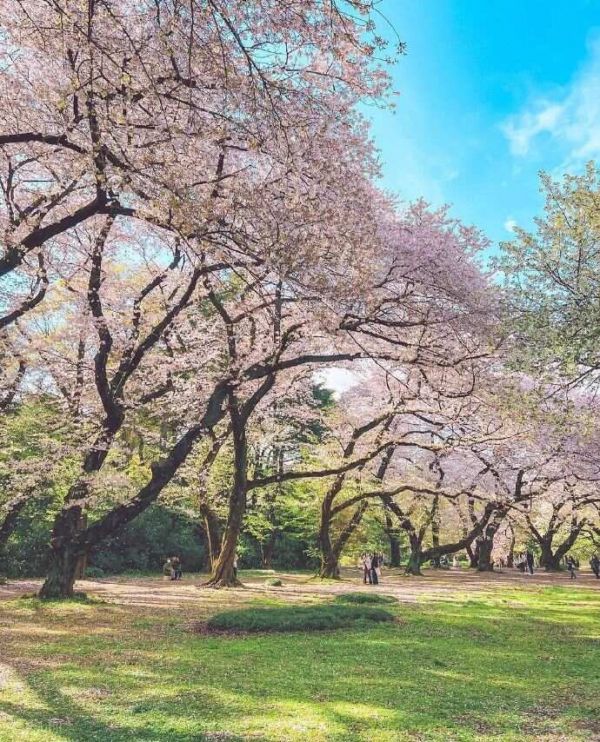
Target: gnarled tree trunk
point(223, 573)
point(212, 534)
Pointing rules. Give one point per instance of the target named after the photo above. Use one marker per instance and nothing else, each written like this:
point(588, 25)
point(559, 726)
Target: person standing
point(529, 561)
point(366, 560)
point(595, 565)
point(374, 569)
point(571, 567)
point(168, 570)
point(177, 571)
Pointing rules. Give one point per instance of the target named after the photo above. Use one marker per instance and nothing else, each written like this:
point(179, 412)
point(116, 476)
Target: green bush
point(94, 572)
point(297, 618)
point(273, 582)
point(365, 599)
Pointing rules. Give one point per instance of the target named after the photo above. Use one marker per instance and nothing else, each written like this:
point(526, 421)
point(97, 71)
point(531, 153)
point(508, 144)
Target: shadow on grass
point(477, 671)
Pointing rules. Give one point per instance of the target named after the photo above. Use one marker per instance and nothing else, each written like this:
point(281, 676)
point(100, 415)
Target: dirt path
point(434, 586)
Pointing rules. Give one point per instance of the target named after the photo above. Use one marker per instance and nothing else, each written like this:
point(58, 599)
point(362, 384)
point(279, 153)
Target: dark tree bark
point(212, 531)
point(330, 562)
point(395, 554)
point(223, 573)
point(435, 532)
point(486, 543)
point(510, 558)
point(551, 557)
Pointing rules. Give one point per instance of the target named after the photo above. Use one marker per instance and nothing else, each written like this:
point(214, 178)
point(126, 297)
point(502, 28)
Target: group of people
point(172, 568)
point(526, 563)
point(372, 564)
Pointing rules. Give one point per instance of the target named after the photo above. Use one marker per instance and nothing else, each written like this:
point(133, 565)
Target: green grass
point(501, 664)
point(289, 618)
point(365, 599)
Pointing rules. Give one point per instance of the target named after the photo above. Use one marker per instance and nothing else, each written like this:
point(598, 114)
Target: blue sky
point(490, 93)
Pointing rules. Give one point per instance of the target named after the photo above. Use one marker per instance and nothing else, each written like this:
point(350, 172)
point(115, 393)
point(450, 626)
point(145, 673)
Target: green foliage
point(552, 279)
point(94, 572)
point(142, 545)
point(365, 598)
point(323, 617)
point(146, 542)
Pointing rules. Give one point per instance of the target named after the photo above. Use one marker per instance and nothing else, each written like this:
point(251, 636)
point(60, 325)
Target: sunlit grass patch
point(466, 669)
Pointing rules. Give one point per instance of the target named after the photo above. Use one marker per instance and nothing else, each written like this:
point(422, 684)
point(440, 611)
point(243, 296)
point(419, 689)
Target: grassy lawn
point(505, 661)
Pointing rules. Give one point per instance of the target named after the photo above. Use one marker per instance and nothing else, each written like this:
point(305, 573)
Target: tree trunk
point(65, 555)
point(415, 558)
point(329, 561)
point(484, 562)
point(212, 535)
point(392, 535)
point(510, 559)
point(395, 554)
point(60, 579)
point(486, 544)
point(330, 568)
point(547, 559)
point(223, 574)
point(435, 532)
point(413, 566)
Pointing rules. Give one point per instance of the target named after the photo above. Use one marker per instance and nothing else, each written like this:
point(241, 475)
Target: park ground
point(469, 657)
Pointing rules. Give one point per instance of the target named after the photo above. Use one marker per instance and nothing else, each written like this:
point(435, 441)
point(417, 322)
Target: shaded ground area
point(471, 657)
point(435, 585)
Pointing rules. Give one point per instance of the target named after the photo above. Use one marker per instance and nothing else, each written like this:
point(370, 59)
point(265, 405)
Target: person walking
point(529, 560)
point(168, 570)
point(595, 565)
point(571, 567)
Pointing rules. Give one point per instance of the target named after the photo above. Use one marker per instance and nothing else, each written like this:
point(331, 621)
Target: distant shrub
point(297, 618)
point(94, 572)
point(273, 582)
point(3, 580)
point(365, 599)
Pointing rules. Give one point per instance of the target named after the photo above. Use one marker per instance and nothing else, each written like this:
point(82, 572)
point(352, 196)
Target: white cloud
point(510, 224)
point(522, 129)
point(571, 118)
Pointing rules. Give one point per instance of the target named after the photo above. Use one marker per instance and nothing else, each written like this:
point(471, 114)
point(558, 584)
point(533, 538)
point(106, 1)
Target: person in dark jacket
point(177, 571)
point(595, 565)
point(374, 569)
point(529, 560)
point(571, 567)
